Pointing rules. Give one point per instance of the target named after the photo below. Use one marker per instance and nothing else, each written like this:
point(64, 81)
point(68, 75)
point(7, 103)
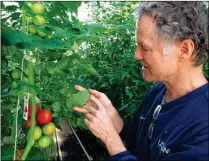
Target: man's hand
point(100, 124)
point(106, 104)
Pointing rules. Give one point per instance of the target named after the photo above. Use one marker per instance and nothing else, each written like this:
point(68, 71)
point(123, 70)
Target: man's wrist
point(114, 144)
point(116, 119)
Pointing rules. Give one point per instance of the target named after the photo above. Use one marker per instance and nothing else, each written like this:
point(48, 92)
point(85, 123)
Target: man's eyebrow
point(139, 41)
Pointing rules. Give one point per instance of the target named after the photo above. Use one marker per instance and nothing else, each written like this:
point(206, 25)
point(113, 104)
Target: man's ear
point(186, 48)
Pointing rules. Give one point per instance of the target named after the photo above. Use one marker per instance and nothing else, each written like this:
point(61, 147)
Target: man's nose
point(138, 54)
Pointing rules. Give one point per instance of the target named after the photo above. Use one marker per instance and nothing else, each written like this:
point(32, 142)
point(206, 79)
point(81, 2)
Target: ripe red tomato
point(29, 110)
point(44, 117)
point(27, 123)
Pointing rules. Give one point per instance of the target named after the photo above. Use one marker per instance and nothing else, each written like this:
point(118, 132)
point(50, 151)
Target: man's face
point(159, 60)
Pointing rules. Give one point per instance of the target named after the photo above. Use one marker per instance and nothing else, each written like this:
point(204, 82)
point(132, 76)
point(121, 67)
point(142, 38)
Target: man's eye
point(144, 49)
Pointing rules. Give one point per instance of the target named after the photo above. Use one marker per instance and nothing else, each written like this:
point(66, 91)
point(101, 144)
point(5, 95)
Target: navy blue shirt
point(180, 133)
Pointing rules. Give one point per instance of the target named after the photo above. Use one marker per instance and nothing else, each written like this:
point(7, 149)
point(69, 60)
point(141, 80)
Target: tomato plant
point(44, 117)
point(41, 64)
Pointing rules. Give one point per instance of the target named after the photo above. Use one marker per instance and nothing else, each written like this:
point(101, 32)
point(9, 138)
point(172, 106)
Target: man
point(172, 44)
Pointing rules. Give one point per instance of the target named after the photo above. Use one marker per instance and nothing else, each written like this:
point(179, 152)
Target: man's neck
point(183, 83)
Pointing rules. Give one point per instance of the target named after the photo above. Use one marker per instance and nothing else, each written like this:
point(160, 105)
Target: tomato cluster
point(15, 75)
point(44, 128)
point(37, 20)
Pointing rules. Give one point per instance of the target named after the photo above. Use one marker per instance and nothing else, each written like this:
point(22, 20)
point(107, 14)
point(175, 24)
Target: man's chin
point(148, 79)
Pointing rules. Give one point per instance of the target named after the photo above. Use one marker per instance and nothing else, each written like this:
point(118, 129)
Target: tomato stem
point(30, 66)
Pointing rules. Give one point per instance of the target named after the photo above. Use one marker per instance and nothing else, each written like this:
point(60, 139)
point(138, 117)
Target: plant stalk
point(30, 66)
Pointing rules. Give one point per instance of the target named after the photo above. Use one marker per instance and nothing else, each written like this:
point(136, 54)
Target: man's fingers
point(89, 116)
point(81, 110)
point(87, 122)
point(79, 88)
point(92, 110)
point(94, 92)
point(96, 101)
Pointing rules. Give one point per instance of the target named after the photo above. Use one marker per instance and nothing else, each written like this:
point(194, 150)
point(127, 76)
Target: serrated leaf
point(78, 99)
point(56, 107)
point(87, 68)
point(57, 67)
point(11, 8)
point(15, 16)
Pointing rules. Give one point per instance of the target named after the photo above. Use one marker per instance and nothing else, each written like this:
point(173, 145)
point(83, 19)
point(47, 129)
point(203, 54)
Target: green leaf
point(70, 33)
point(21, 40)
point(78, 99)
point(56, 107)
point(12, 37)
point(56, 121)
point(52, 55)
point(5, 130)
point(17, 54)
point(35, 154)
point(7, 152)
point(87, 68)
point(57, 67)
point(80, 122)
point(72, 6)
point(42, 44)
point(98, 28)
point(15, 16)
point(11, 8)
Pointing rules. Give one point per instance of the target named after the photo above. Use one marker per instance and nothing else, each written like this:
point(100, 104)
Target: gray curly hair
point(176, 21)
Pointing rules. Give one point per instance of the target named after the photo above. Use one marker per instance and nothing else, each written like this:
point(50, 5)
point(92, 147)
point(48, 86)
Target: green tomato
point(28, 19)
point(37, 8)
point(39, 20)
point(25, 79)
point(49, 37)
point(16, 74)
point(41, 34)
point(32, 29)
point(37, 133)
point(44, 141)
point(49, 128)
point(14, 84)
